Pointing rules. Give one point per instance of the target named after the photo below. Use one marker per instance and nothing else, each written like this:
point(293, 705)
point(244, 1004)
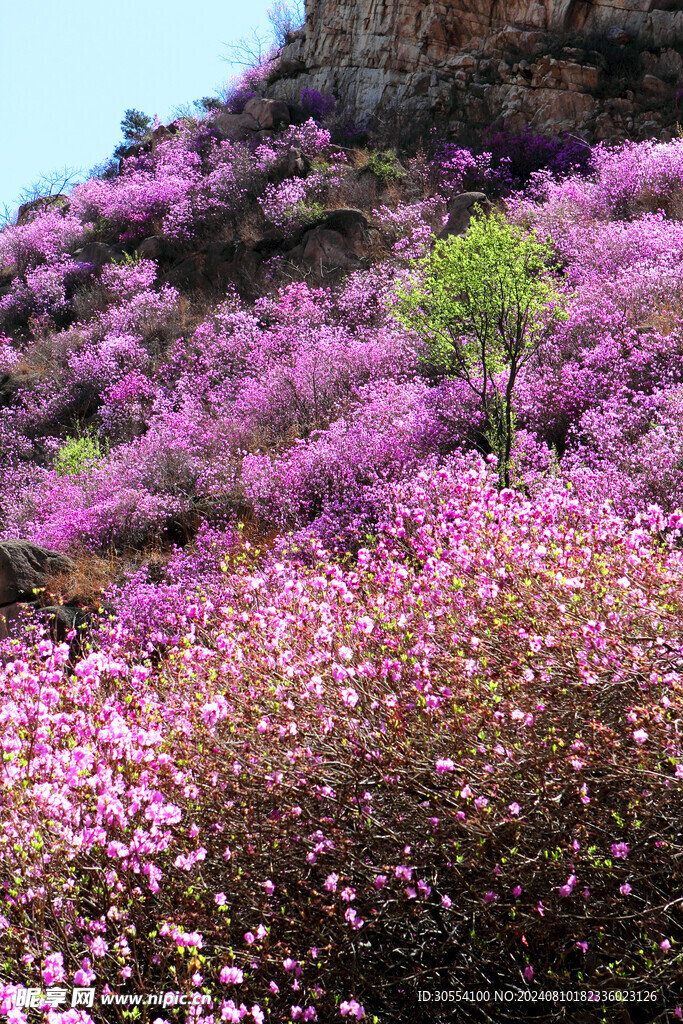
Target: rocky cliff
point(608, 68)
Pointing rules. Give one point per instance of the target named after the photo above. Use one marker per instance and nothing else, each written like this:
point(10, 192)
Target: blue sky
point(69, 70)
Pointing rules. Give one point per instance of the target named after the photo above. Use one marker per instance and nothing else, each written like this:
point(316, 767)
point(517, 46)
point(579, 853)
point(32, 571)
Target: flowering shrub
point(126, 405)
point(317, 105)
point(456, 169)
point(431, 685)
point(358, 721)
point(332, 480)
point(135, 203)
point(238, 99)
point(48, 237)
point(299, 201)
point(503, 161)
point(41, 292)
point(628, 181)
point(292, 202)
point(523, 153)
point(9, 356)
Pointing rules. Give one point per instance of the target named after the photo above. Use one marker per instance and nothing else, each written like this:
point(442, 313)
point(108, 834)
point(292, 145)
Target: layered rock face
point(609, 68)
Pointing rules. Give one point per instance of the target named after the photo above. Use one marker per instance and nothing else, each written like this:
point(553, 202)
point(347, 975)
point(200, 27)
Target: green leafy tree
point(483, 303)
point(135, 127)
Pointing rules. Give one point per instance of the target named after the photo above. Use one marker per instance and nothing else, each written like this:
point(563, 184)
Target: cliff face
point(608, 67)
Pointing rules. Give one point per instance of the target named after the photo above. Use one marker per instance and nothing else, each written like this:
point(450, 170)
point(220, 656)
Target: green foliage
point(208, 103)
point(308, 213)
point(106, 170)
point(384, 165)
point(79, 454)
point(104, 229)
point(135, 126)
point(482, 303)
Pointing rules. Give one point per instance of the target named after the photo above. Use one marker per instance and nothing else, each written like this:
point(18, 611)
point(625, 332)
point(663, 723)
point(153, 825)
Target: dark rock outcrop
point(99, 253)
point(292, 164)
point(268, 113)
point(10, 617)
point(26, 567)
point(216, 266)
point(62, 619)
point(338, 242)
point(461, 210)
point(14, 382)
point(157, 247)
point(31, 209)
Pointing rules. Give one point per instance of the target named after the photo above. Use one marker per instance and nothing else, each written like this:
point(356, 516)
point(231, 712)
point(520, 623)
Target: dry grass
point(84, 584)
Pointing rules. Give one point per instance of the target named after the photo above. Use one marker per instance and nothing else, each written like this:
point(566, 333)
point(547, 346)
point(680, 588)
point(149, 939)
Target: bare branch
point(285, 16)
point(53, 184)
point(250, 51)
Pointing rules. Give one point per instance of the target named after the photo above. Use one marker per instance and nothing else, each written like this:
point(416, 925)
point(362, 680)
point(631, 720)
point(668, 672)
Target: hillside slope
point(348, 722)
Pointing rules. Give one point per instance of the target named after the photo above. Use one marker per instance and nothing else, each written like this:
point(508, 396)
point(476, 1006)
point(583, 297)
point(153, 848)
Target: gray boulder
point(99, 253)
point(461, 211)
point(157, 247)
point(25, 567)
point(268, 113)
point(62, 618)
point(236, 126)
point(31, 209)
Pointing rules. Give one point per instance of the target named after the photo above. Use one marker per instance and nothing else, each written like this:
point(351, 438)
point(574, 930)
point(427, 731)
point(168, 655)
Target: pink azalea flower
point(231, 976)
point(53, 971)
point(352, 1008)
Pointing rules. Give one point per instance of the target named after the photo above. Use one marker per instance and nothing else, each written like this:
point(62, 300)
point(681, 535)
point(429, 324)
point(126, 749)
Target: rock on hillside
point(608, 67)
point(25, 567)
